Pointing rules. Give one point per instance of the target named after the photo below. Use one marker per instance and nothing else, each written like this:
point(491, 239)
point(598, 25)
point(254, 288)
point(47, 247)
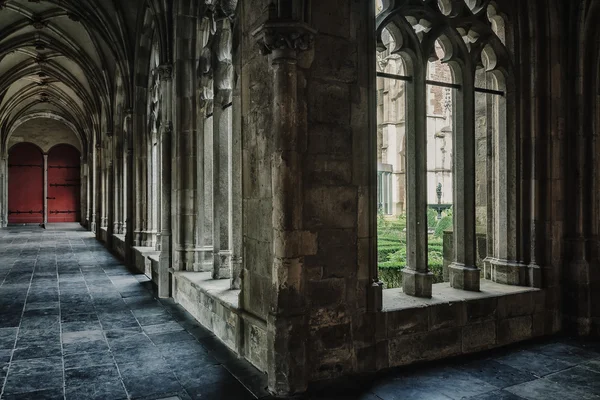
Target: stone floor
point(76, 324)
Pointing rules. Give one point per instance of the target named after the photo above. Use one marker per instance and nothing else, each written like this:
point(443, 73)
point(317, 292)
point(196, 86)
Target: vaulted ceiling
point(60, 59)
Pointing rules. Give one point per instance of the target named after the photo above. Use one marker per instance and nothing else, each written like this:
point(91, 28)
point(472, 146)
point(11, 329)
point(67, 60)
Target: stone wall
point(45, 133)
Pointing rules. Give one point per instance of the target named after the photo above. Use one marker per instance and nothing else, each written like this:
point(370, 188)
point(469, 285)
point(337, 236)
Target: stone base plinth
point(464, 278)
point(505, 272)
point(416, 283)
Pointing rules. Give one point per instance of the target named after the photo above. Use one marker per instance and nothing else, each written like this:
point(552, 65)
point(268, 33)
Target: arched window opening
point(441, 93)
point(391, 159)
point(443, 187)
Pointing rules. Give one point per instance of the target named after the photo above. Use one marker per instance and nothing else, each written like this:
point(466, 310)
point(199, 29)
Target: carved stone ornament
point(3, 4)
point(38, 23)
point(166, 72)
point(168, 130)
point(284, 35)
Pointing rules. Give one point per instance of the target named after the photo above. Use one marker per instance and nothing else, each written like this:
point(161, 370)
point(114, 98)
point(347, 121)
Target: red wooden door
point(25, 184)
point(64, 184)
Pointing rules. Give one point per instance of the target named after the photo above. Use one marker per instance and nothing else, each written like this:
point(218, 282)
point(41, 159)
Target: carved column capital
point(165, 72)
point(287, 36)
point(168, 128)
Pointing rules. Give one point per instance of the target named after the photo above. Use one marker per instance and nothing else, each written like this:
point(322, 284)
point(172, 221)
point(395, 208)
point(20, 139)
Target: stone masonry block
point(513, 330)
point(327, 292)
point(425, 346)
point(482, 309)
point(479, 336)
point(447, 315)
point(515, 305)
point(408, 321)
point(329, 102)
point(331, 207)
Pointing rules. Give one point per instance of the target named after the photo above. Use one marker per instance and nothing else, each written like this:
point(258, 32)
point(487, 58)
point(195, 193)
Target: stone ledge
point(118, 244)
point(216, 307)
point(455, 322)
point(143, 263)
point(103, 234)
point(442, 293)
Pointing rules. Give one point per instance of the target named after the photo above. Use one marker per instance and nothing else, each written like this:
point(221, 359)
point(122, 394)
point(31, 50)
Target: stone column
point(45, 189)
point(236, 164)
point(205, 95)
point(130, 192)
point(83, 190)
point(282, 41)
point(118, 187)
point(463, 272)
point(3, 194)
point(416, 280)
point(110, 191)
point(139, 166)
point(104, 182)
point(98, 191)
point(166, 78)
point(185, 189)
point(505, 265)
point(222, 142)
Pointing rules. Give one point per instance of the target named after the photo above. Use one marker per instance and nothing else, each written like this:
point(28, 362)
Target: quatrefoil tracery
point(472, 29)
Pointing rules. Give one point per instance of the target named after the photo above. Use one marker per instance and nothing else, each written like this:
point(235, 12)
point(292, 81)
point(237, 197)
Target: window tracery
point(454, 68)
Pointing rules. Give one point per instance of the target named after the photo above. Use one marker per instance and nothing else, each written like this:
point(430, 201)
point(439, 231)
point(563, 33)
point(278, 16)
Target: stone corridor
point(76, 324)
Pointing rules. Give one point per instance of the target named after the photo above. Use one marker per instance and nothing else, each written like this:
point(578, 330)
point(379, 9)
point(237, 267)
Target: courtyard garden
point(391, 246)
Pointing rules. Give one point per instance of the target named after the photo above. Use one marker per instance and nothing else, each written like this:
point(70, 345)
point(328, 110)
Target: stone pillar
point(463, 272)
point(505, 265)
point(110, 191)
point(130, 192)
point(45, 190)
point(416, 280)
point(118, 188)
point(104, 182)
point(90, 189)
point(185, 184)
point(236, 164)
point(140, 168)
point(166, 77)
point(205, 96)
point(98, 190)
point(3, 191)
point(222, 142)
point(83, 178)
point(286, 353)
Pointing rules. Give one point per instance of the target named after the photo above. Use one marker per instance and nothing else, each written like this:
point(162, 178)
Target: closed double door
point(64, 186)
point(42, 189)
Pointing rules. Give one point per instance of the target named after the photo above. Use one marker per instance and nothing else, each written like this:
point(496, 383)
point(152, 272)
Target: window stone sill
point(395, 299)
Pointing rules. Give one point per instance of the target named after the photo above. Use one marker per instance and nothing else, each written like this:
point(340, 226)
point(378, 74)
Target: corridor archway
point(25, 184)
point(64, 184)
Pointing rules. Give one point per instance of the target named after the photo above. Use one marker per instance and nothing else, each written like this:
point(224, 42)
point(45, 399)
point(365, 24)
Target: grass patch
point(391, 247)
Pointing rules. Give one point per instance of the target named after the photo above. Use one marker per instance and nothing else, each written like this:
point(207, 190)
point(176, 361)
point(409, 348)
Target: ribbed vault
point(60, 59)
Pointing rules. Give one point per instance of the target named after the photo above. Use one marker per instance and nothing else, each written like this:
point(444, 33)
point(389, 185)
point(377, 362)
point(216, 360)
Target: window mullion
point(463, 272)
point(417, 280)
